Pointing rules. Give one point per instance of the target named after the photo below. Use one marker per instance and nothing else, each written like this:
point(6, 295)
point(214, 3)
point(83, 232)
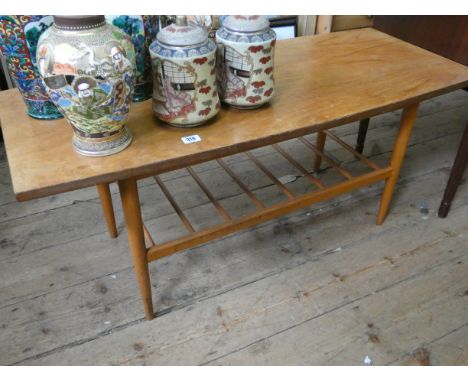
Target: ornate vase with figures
point(18, 42)
point(184, 71)
point(142, 29)
point(88, 68)
point(245, 61)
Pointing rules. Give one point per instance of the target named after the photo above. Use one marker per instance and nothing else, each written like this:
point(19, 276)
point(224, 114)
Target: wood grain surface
point(322, 82)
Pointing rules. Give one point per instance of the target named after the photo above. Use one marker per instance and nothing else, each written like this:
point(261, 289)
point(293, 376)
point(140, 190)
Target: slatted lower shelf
point(263, 213)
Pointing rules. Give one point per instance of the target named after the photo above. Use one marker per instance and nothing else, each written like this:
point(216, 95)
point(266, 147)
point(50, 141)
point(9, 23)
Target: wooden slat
point(332, 162)
point(269, 213)
point(210, 196)
point(174, 205)
point(241, 184)
point(361, 157)
point(296, 164)
point(267, 172)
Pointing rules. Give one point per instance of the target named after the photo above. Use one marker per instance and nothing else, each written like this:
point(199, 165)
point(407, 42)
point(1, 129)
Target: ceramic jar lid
point(246, 24)
point(181, 34)
point(246, 29)
point(181, 40)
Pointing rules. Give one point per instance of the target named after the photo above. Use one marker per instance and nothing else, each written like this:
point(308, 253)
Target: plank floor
point(322, 286)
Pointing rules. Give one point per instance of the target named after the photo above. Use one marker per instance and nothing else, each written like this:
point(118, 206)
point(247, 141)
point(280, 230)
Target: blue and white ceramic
point(245, 61)
point(184, 75)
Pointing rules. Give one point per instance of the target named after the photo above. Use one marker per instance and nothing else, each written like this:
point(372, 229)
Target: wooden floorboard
point(68, 295)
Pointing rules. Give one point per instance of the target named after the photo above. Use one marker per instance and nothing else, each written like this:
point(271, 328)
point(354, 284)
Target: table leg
point(363, 126)
point(136, 239)
point(459, 166)
point(320, 144)
point(107, 208)
point(398, 154)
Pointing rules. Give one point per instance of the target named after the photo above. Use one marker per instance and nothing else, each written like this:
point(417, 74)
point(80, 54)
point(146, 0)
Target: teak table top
point(322, 82)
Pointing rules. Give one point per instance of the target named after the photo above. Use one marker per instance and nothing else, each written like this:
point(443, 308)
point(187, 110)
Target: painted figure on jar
point(121, 63)
point(177, 100)
point(90, 100)
point(234, 71)
point(235, 87)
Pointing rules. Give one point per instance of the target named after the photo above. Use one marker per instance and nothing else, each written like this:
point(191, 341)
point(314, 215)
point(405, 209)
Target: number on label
point(191, 139)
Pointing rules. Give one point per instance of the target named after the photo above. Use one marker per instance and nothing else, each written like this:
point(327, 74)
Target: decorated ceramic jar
point(88, 68)
point(18, 42)
point(245, 59)
point(142, 29)
point(184, 71)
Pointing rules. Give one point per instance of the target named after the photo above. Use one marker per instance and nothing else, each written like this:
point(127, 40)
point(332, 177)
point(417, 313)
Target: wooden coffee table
point(322, 81)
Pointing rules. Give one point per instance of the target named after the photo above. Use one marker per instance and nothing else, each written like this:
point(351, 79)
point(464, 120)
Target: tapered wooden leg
point(320, 144)
point(398, 154)
point(107, 208)
point(361, 138)
point(136, 240)
point(458, 168)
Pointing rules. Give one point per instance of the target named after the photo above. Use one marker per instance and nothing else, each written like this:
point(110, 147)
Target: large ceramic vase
point(88, 67)
point(184, 71)
point(142, 29)
point(245, 61)
point(18, 41)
